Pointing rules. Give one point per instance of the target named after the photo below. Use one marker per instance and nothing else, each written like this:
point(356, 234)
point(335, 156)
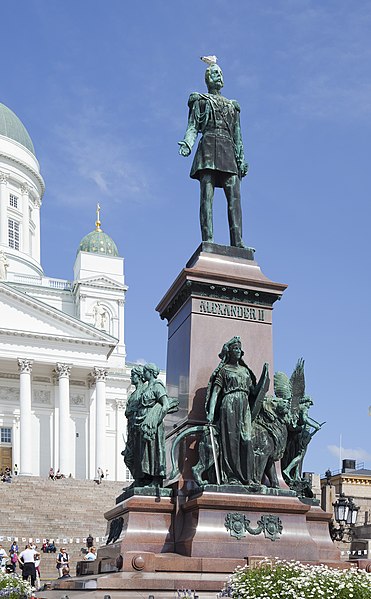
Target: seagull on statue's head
point(209, 59)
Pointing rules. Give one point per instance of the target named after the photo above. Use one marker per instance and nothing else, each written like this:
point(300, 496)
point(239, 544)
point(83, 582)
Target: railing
point(359, 466)
point(27, 279)
point(60, 284)
point(42, 281)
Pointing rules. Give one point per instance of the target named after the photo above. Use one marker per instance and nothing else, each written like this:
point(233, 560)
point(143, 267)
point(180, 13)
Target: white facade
point(63, 378)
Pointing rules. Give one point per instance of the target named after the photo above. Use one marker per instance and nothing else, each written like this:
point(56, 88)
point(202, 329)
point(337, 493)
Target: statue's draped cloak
point(152, 452)
point(132, 447)
point(143, 456)
point(220, 147)
point(233, 420)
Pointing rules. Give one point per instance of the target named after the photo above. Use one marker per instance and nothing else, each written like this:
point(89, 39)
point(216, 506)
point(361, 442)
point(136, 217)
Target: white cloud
point(100, 161)
point(140, 361)
point(357, 454)
point(104, 162)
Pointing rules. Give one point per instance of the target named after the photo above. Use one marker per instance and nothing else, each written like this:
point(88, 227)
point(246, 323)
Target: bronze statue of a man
point(219, 160)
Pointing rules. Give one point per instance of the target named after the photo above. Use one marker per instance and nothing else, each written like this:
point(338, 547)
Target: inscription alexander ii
point(227, 310)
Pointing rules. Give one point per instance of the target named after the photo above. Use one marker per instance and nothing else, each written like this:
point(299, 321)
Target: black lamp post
point(345, 513)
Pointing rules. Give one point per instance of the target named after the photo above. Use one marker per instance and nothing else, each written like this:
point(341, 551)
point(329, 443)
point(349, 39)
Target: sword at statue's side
point(213, 447)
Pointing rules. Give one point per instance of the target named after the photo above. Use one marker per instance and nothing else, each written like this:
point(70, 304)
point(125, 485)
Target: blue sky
point(102, 88)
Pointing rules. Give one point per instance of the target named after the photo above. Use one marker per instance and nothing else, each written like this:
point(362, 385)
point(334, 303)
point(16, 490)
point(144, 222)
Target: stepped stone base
point(164, 545)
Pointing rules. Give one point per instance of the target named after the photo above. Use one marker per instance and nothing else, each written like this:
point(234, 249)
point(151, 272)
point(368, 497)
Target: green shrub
point(292, 580)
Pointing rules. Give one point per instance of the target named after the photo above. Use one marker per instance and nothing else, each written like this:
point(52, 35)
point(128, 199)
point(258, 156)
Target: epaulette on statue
point(192, 98)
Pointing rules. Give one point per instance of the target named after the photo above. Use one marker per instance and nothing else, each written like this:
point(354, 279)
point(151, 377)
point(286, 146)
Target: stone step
point(39, 508)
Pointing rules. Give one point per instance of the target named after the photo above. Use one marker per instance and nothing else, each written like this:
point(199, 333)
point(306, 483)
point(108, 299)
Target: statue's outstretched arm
point(191, 133)
point(311, 422)
point(242, 165)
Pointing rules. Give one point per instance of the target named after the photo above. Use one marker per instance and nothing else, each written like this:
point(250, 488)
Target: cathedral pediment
point(102, 282)
point(24, 316)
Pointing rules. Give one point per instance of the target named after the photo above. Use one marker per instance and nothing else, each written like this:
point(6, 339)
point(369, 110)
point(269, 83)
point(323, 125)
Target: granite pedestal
point(220, 293)
point(191, 537)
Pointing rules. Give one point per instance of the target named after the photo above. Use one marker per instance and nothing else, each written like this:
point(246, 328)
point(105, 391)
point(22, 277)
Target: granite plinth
point(318, 526)
point(220, 293)
point(205, 534)
point(141, 522)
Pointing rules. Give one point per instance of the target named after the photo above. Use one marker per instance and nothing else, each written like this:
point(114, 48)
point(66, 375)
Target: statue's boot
point(236, 238)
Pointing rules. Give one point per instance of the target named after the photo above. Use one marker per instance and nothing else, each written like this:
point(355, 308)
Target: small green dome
point(98, 242)
point(13, 128)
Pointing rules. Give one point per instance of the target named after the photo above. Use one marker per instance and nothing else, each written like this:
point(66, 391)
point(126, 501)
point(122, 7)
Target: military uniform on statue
point(219, 160)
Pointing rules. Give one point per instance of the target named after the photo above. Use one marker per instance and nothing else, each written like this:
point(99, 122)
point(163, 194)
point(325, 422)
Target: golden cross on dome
point(97, 222)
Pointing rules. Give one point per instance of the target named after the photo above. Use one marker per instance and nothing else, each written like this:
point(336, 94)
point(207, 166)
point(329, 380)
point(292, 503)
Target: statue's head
point(305, 403)
point(233, 345)
point(136, 374)
point(275, 407)
point(150, 369)
point(214, 78)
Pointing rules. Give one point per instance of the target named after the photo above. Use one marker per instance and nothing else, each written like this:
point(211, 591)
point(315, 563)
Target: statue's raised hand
point(183, 149)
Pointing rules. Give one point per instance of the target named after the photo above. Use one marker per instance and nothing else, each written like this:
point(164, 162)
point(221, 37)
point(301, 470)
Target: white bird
point(209, 59)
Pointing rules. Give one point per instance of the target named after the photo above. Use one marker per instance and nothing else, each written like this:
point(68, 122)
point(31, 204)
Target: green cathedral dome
point(13, 128)
point(98, 242)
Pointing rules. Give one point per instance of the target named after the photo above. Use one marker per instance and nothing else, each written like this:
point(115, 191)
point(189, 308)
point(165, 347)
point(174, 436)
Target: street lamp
point(345, 513)
point(352, 513)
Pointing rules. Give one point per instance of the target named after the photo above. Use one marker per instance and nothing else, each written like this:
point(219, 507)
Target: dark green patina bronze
point(301, 429)
point(147, 406)
point(238, 525)
point(233, 401)
point(248, 432)
point(219, 160)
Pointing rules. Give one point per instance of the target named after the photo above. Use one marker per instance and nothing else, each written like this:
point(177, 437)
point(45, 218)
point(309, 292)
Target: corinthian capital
point(120, 404)
point(25, 189)
point(62, 370)
point(100, 374)
point(25, 365)
point(4, 177)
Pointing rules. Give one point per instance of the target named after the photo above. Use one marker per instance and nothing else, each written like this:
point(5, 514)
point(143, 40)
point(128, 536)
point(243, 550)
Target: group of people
point(28, 561)
point(6, 475)
point(55, 475)
point(9, 560)
point(49, 546)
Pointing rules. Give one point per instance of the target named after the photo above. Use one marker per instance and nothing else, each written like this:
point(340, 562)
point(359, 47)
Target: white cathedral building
point(63, 377)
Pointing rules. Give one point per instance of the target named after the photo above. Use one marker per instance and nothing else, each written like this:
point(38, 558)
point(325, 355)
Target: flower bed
point(293, 580)
point(13, 587)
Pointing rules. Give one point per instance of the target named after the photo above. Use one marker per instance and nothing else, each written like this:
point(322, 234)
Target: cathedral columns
point(121, 436)
point(63, 373)
point(3, 209)
point(25, 370)
point(16, 443)
point(100, 376)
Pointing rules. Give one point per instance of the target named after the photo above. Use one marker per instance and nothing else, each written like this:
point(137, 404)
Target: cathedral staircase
point(65, 510)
